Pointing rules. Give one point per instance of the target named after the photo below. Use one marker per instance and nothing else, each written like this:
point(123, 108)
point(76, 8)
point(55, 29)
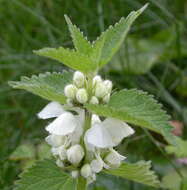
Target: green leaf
point(70, 58)
point(81, 44)
point(114, 36)
point(49, 86)
point(179, 149)
point(139, 172)
point(45, 175)
point(135, 107)
point(23, 152)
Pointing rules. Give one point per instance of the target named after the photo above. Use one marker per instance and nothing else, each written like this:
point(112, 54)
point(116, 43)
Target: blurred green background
point(154, 59)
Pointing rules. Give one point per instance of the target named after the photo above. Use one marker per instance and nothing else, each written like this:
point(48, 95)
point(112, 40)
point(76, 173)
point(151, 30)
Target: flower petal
point(117, 129)
point(98, 136)
point(53, 109)
point(63, 125)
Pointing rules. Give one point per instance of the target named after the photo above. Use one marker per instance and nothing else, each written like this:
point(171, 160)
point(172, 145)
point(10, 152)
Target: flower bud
point(100, 90)
point(70, 91)
point(69, 102)
point(106, 98)
point(108, 85)
point(55, 140)
point(78, 79)
point(96, 165)
point(75, 154)
point(59, 163)
point(82, 96)
point(97, 79)
point(114, 159)
point(75, 174)
point(86, 171)
point(94, 100)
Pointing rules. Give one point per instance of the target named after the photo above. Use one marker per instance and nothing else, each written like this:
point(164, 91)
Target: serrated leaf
point(70, 58)
point(180, 148)
point(81, 44)
point(114, 37)
point(45, 175)
point(23, 152)
point(49, 86)
point(139, 172)
point(135, 107)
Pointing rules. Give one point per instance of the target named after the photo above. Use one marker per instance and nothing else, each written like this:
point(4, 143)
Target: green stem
point(81, 183)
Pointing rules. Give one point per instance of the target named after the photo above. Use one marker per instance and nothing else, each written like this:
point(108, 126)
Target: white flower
point(100, 90)
point(106, 98)
point(94, 100)
point(97, 79)
point(53, 109)
point(108, 133)
point(59, 151)
point(75, 174)
point(75, 154)
point(65, 124)
point(70, 91)
point(86, 171)
point(108, 85)
point(96, 165)
point(55, 140)
point(114, 159)
point(82, 96)
point(78, 79)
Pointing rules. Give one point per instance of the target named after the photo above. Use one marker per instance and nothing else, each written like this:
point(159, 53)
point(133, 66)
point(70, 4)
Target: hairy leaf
point(81, 44)
point(136, 107)
point(70, 58)
point(49, 85)
point(114, 36)
point(45, 175)
point(139, 172)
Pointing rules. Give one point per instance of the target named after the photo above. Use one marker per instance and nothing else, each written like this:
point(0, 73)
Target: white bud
point(59, 163)
point(75, 154)
point(108, 85)
point(97, 79)
point(96, 165)
point(70, 91)
point(75, 174)
point(86, 171)
point(78, 79)
point(114, 159)
point(69, 102)
point(94, 100)
point(106, 98)
point(100, 90)
point(82, 96)
point(55, 140)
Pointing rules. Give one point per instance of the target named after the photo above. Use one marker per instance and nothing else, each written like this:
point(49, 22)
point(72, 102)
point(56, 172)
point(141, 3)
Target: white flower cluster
point(99, 90)
point(85, 150)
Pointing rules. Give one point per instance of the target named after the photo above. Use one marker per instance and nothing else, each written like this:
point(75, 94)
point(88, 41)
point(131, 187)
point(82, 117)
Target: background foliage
point(153, 59)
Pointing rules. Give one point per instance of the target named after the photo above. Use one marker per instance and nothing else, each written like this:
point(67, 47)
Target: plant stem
point(81, 184)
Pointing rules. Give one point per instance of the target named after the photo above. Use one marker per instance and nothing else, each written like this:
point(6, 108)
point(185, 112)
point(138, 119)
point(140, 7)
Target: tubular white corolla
point(84, 142)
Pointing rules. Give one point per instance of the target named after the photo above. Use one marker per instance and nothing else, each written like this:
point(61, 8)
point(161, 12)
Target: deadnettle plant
point(87, 120)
